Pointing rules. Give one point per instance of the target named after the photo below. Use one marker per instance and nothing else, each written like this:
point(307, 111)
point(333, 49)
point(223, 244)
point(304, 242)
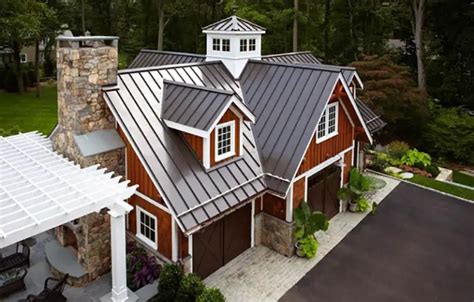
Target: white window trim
point(222, 45)
point(142, 237)
point(336, 132)
point(232, 141)
point(21, 57)
point(218, 44)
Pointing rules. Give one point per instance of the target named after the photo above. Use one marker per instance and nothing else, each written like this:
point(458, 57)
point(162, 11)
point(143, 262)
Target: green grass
point(442, 186)
point(463, 179)
point(29, 113)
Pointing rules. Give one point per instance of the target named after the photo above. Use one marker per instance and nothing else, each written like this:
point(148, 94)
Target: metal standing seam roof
point(193, 194)
point(40, 189)
point(305, 57)
point(234, 24)
point(373, 121)
point(287, 100)
point(148, 57)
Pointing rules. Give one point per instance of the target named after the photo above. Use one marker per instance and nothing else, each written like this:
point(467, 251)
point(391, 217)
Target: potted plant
point(354, 192)
point(307, 224)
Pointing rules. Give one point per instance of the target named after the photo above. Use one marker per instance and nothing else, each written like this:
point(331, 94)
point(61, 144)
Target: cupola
point(233, 41)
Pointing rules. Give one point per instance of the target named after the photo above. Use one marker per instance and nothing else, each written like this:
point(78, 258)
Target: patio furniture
point(18, 259)
point(50, 294)
point(12, 281)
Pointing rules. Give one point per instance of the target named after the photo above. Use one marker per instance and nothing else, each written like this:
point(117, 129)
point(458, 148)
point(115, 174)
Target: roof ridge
point(173, 52)
point(286, 54)
point(212, 89)
point(151, 68)
point(325, 67)
point(219, 21)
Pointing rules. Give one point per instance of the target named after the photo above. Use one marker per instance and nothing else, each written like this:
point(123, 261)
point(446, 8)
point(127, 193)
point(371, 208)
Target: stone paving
point(261, 274)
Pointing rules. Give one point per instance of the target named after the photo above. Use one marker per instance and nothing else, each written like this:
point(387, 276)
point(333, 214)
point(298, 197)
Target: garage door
point(322, 191)
point(222, 241)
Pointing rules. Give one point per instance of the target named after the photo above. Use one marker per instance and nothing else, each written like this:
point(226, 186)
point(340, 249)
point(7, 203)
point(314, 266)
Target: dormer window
point(252, 44)
point(225, 142)
point(327, 126)
point(243, 45)
point(216, 44)
point(225, 44)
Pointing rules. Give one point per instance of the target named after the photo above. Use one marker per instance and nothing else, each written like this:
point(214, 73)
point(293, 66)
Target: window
point(243, 45)
point(147, 227)
point(225, 136)
point(23, 58)
point(327, 126)
point(216, 44)
point(225, 45)
point(252, 44)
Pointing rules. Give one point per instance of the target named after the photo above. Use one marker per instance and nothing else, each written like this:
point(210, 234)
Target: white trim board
point(152, 202)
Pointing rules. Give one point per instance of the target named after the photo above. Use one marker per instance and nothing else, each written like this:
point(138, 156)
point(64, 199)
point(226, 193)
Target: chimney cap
point(86, 38)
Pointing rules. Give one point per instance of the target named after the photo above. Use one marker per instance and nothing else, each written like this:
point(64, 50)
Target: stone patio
point(260, 274)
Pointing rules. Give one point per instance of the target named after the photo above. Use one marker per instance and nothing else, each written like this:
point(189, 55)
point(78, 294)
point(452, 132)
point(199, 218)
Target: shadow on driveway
point(418, 247)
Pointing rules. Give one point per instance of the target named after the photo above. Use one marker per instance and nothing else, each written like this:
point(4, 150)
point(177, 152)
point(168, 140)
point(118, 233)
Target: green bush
point(450, 135)
point(433, 170)
point(190, 288)
point(415, 158)
point(397, 149)
point(211, 295)
point(380, 161)
point(10, 82)
point(169, 284)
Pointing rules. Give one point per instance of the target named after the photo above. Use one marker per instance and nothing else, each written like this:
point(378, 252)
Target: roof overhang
point(243, 33)
point(40, 189)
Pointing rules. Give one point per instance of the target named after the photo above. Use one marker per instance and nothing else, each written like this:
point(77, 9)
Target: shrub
point(415, 158)
point(307, 224)
point(397, 149)
point(169, 284)
point(433, 170)
point(141, 269)
point(380, 161)
point(211, 295)
point(190, 288)
point(10, 82)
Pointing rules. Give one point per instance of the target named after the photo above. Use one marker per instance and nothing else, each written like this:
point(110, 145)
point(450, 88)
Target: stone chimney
point(84, 65)
point(86, 134)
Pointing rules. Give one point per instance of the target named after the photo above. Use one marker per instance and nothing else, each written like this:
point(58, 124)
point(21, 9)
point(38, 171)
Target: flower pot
point(299, 252)
point(353, 207)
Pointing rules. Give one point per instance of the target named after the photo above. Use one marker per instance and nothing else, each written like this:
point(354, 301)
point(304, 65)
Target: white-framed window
point(147, 227)
point(225, 140)
point(225, 45)
point(216, 44)
point(252, 44)
point(23, 57)
point(243, 45)
point(327, 126)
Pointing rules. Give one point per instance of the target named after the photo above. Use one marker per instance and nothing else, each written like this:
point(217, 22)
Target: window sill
point(224, 157)
point(325, 138)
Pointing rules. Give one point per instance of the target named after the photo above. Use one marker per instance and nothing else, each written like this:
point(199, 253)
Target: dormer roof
point(234, 24)
point(197, 109)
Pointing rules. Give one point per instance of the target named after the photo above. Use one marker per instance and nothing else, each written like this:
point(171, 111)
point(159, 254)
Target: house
point(223, 146)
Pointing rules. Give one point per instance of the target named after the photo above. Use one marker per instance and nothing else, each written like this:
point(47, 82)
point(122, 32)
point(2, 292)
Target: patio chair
point(12, 281)
point(18, 259)
point(50, 294)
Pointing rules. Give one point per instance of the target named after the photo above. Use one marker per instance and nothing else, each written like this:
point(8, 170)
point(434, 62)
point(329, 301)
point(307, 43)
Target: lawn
point(28, 113)
point(444, 187)
point(463, 179)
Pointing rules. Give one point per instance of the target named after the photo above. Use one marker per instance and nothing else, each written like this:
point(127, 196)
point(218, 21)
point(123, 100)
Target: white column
point(120, 292)
point(174, 240)
point(289, 204)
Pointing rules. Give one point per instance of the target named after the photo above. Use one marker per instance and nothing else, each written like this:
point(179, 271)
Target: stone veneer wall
point(276, 234)
point(83, 68)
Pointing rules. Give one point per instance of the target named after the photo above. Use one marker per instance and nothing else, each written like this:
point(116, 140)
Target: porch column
point(120, 292)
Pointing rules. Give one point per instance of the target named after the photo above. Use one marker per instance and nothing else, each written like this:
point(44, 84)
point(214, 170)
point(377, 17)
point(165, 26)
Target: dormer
point(210, 120)
point(233, 41)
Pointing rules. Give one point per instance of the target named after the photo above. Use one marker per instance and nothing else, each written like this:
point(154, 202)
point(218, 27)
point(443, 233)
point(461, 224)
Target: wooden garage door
point(322, 191)
point(222, 241)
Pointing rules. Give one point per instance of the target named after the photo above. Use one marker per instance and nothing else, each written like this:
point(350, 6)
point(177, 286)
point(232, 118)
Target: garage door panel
point(322, 191)
point(237, 232)
point(208, 249)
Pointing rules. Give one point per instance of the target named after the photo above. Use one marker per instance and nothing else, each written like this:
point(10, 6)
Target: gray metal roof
point(233, 24)
point(148, 57)
point(287, 100)
point(98, 142)
point(373, 121)
point(193, 106)
point(305, 57)
point(193, 194)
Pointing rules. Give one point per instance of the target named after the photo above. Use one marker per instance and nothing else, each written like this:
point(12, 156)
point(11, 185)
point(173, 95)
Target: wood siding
point(228, 116)
point(320, 152)
point(298, 192)
point(274, 206)
point(164, 223)
point(183, 245)
point(196, 143)
point(258, 205)
point(347, 166)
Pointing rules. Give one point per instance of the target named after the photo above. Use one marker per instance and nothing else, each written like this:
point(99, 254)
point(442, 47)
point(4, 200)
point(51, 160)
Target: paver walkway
point(419, 247)
point(260, 274)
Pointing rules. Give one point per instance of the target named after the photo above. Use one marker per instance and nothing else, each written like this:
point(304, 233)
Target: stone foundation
point(276, 234)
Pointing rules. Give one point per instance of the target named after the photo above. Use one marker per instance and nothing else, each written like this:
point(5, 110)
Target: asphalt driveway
point(418, 247)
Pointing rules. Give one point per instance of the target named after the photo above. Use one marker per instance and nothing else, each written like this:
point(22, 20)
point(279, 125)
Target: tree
point(295, 27)
point(417, 26)
point(21, 24)
point(390, 90)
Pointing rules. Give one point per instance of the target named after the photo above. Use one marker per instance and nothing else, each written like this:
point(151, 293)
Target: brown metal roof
point(305, 57)
point(233, 24)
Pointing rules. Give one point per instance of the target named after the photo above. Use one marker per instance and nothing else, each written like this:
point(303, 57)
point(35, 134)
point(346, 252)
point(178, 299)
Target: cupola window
point(225, 44)
point(216, 44)
point(243, 45)
point(252, 44)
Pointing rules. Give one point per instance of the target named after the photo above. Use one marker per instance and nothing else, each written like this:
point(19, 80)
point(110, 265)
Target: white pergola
point(40, 190)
